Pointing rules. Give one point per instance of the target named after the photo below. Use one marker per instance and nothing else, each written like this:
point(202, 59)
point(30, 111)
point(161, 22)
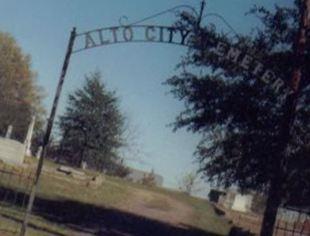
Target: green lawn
point(65, 206)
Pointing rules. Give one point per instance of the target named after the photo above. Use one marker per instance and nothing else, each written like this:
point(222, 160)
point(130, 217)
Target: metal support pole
point(202, 7)
point(48, 132)
point(276, 184)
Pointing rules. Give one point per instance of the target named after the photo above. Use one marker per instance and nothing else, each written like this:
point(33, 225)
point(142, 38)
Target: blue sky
point(135, 71)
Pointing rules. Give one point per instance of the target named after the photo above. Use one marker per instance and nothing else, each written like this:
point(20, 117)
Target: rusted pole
point(48, 132)
point(276, 184)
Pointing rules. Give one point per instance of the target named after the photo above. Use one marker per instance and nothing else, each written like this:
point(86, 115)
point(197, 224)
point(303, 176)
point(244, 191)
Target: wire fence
point(15, 186)
point(289, 222)
point(292, 222)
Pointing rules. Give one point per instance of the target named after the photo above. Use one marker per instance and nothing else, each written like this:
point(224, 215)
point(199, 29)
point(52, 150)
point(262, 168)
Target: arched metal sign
point(178, 36)
point(131, 33)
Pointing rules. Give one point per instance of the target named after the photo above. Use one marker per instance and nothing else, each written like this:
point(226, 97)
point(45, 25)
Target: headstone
point(29, 137)
point(9, 132)
point(65, 169)
point(76, 174)
point(79, 175)
point(38, 155)
point(12, 151)
point(84, 165)
point(96, 181)
point(242, 203)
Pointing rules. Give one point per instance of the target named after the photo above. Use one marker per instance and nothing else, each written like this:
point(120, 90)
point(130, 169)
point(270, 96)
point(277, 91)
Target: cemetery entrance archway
point(135, 33)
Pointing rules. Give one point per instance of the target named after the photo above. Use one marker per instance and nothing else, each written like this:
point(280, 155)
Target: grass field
point(66, 206)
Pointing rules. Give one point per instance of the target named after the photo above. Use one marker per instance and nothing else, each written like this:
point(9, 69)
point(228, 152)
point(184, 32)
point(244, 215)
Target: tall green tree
point(92, 126)
point(20, 96)
point(231, 92)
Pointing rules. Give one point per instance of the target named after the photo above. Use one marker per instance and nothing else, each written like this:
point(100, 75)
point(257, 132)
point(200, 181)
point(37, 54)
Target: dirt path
point(158, 206)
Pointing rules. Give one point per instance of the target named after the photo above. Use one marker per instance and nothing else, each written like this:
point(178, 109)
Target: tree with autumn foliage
point(20, 95)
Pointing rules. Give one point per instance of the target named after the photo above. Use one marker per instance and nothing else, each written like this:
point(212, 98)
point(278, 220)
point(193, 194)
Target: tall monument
point(9, 132)
point(29, 137)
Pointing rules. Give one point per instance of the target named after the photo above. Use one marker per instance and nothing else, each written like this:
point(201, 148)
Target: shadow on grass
point(234, 231)
point(237, 231)
point(101, 221)
point(31, 225)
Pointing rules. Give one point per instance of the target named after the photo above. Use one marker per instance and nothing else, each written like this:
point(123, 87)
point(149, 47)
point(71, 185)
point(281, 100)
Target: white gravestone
point(38, 155)
point(9, 132)
point(29, 137)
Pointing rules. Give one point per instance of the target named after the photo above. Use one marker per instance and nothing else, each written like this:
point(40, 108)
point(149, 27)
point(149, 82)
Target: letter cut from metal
point(149, 37)
point(127, 34)
point(102, 40)
point(219, 50)
point(89, 41)
point(184, 34)
point(233, 54)
point(114, 33)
